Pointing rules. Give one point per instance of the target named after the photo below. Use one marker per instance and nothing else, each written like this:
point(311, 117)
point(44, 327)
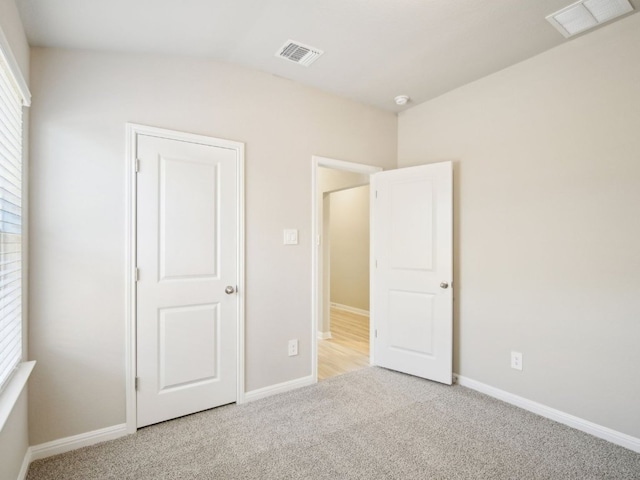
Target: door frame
point(316, 251)
point(133, 131)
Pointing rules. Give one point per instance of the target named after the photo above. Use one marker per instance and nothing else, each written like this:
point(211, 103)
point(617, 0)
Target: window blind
point(10, 224)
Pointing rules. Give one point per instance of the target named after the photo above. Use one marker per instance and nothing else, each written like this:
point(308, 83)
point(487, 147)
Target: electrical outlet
point(293, 347)
point(516, 360)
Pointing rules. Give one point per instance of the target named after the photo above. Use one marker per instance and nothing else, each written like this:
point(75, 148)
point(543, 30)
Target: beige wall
point(14, 438)
point(349, 226)
point(332, 180)
point(547, 222)
point(82, 101)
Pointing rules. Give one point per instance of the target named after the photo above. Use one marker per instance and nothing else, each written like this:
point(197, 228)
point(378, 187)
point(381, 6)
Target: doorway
point(340, 327)
point(343, 332)
point(411, 267)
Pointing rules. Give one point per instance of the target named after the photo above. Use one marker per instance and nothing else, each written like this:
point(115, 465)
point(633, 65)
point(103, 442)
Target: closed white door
point(187, 232)
point(412, 299)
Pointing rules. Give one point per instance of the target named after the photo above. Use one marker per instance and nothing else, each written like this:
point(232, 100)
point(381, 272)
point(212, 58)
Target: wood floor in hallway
point(348, 348)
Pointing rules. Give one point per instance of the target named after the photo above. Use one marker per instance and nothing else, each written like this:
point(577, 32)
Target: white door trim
point(316, 252)
point(133, 131)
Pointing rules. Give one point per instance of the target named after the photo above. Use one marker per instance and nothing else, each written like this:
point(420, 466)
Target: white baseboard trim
point(347, 308)
point(613, 436)
point(324, 335)
point(278, 388)
point(26, 461)
point(67, 444)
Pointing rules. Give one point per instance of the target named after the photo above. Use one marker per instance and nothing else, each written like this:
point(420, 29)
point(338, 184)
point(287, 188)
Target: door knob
point(444, 285)
point(229, 290)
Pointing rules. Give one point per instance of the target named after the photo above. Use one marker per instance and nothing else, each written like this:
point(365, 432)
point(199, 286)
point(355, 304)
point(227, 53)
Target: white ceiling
point(374, 49)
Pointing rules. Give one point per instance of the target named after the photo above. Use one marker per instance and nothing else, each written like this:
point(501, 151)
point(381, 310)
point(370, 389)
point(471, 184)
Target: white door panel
point(188, 204)
point(187, 345)
point(412, 250)
point(412, 326)
point(187, 255)
point(411, 228)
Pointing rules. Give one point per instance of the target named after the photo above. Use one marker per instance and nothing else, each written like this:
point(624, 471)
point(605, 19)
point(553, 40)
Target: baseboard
point(26, 461)
point(347, 308)
point(324, 335)
point(67, 444)
point(613, 436)
point(278, 388)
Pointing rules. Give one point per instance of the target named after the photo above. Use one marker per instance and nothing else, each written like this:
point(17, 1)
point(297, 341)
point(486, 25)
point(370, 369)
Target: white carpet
point(369, 424)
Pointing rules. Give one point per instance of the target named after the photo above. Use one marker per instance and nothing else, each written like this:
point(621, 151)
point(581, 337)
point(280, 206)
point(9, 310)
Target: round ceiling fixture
point(401, 99)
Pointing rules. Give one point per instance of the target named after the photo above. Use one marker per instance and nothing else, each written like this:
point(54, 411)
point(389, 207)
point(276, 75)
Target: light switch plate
point(290, 236)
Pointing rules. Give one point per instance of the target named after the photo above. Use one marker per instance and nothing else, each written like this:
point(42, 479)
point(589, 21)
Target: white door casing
point(188, 237)
point(412, 270)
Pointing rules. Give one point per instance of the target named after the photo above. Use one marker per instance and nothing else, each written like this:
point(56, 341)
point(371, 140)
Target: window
point(10, 223)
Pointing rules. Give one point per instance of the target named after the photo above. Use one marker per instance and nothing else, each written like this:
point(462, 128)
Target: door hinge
point(375, 333)
point(376, 262)
point(137, 383)
point(376, 193)
point(318, 240)
point(136, 275)
point(137, 165)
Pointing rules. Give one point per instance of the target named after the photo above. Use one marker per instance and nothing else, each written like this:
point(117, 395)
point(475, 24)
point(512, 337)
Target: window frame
point(11, 240)
point(13, 386)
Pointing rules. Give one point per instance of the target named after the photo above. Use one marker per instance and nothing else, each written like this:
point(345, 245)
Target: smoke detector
point(299, 53)
point(586, 14)
point(401, 99)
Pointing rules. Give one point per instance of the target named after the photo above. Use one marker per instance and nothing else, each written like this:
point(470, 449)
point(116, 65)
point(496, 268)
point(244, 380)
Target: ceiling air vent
point(586, 14)
point(298, 53)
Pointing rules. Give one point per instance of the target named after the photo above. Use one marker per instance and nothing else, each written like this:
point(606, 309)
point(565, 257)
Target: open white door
point(187, 257)
point(412, 271)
